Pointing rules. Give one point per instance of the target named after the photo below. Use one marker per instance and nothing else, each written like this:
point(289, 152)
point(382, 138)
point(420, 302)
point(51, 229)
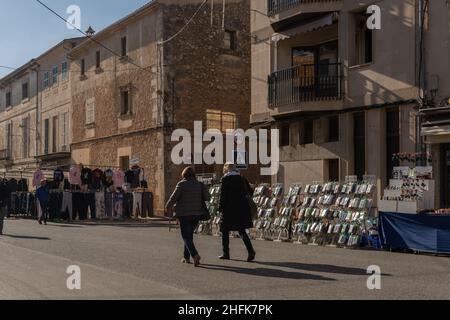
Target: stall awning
point(306, 27)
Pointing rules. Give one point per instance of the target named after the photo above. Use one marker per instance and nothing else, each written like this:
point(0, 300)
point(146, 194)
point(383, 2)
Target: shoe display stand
point(282, 224)
point(211, 227)
point(335, 214)
point(411, 189)
point(268, 199)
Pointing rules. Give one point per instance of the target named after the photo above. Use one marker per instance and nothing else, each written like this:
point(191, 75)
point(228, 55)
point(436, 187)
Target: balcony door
point(317, 70)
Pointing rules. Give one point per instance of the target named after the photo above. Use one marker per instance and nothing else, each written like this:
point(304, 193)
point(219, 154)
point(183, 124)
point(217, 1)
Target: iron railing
point(312, 82)
point(276, 6)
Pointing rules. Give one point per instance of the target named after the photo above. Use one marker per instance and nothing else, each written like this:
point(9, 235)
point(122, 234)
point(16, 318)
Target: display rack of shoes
point(282, 224)
point(268, 199)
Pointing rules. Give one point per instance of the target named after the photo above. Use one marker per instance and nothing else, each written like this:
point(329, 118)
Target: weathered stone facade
point(170, 86)
point(37, 114)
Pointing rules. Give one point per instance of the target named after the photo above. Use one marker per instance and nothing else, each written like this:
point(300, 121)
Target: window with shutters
point(46, 135)
point(223, 121)
point(55, 75)
point(8, 140)
point(64, 70)
point(64, 132)
point(46, 82)
point(25, 91)
point(125, 102)
point(8, 99)
point(55, 134)
point(26, 137)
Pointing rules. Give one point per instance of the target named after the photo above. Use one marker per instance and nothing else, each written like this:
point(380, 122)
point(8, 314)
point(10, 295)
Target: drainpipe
point(421, 60)
point(36, 133)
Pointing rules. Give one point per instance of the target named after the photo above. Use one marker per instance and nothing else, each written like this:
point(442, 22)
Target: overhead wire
point(90, 37)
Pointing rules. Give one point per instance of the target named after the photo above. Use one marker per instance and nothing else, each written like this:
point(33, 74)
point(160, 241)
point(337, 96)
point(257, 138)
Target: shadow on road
point(267, 272)
point(26, 237)
point(324, 268)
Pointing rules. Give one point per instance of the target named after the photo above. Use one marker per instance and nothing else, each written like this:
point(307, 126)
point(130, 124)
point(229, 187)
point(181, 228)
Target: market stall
point(429, 233)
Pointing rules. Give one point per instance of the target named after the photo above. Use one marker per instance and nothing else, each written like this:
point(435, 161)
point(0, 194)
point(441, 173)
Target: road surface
point(143, 262)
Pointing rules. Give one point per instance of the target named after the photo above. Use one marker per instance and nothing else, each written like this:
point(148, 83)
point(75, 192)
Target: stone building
point(435, 111)
point(151, 73)
point(344, 97)
point(35, 103)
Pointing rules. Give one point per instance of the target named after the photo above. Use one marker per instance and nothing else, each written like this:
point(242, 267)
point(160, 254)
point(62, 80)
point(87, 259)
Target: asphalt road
point(143, 262)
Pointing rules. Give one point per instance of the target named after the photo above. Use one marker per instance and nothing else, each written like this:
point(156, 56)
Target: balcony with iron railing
point(279, 10)
point(306, 84)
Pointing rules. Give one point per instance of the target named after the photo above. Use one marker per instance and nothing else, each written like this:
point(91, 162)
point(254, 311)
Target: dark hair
point(188, 173)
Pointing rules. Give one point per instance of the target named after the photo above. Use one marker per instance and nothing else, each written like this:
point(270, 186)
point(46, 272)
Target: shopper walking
point(188, 203)
point(4, 196)
point(43, 196)
point(235, 210)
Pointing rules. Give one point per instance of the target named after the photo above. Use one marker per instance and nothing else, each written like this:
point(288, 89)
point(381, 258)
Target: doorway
point(445, 175)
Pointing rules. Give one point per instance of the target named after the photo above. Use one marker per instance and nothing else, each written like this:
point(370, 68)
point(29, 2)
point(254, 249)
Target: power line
point(9, 68)
point(90, 37)
point(185, 26)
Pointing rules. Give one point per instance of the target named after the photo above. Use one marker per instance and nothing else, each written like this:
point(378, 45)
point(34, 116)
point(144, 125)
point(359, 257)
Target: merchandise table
point(429, 233)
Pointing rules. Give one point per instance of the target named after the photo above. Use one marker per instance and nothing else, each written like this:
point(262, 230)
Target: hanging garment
point(22, 185)
point(100, 205)
point(89, 200)
point(137, 205)
point(97, 178)
point(54, 205)
point(118, 198)
point(119, 178)
point(147, 204)
point(109, 178)
point(129, 175)
point(86, 177)
point(75, 176)
point(66, 207)
point(109, 204)
point(58, 176)
point(37, 178)
point(13, 185)
point(136, 177)
point(127, 205)
point(77, 205)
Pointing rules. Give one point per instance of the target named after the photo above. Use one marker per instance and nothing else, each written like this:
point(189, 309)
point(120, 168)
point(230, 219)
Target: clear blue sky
point(27, 29)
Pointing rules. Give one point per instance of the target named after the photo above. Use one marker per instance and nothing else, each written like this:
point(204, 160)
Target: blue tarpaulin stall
point(422, 232)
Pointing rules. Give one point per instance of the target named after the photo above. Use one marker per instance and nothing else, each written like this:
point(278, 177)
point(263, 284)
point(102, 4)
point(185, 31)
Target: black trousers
point(77, 206)
point(89, 199)
point(55, 206)
point(244, 237)
point(147, 204)
point(127, 205)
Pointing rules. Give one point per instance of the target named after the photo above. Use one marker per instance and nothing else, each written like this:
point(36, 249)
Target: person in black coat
point(5, 194)
point(235, 210)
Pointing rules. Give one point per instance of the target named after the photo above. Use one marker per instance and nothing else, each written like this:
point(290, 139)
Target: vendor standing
point(43, 196)
point(5, 194)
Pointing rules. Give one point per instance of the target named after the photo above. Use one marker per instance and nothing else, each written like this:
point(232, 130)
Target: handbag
point(251, 203)
point(205, 216)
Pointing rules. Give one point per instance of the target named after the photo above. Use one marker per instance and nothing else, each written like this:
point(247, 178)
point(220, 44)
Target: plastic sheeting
point(421, 232)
